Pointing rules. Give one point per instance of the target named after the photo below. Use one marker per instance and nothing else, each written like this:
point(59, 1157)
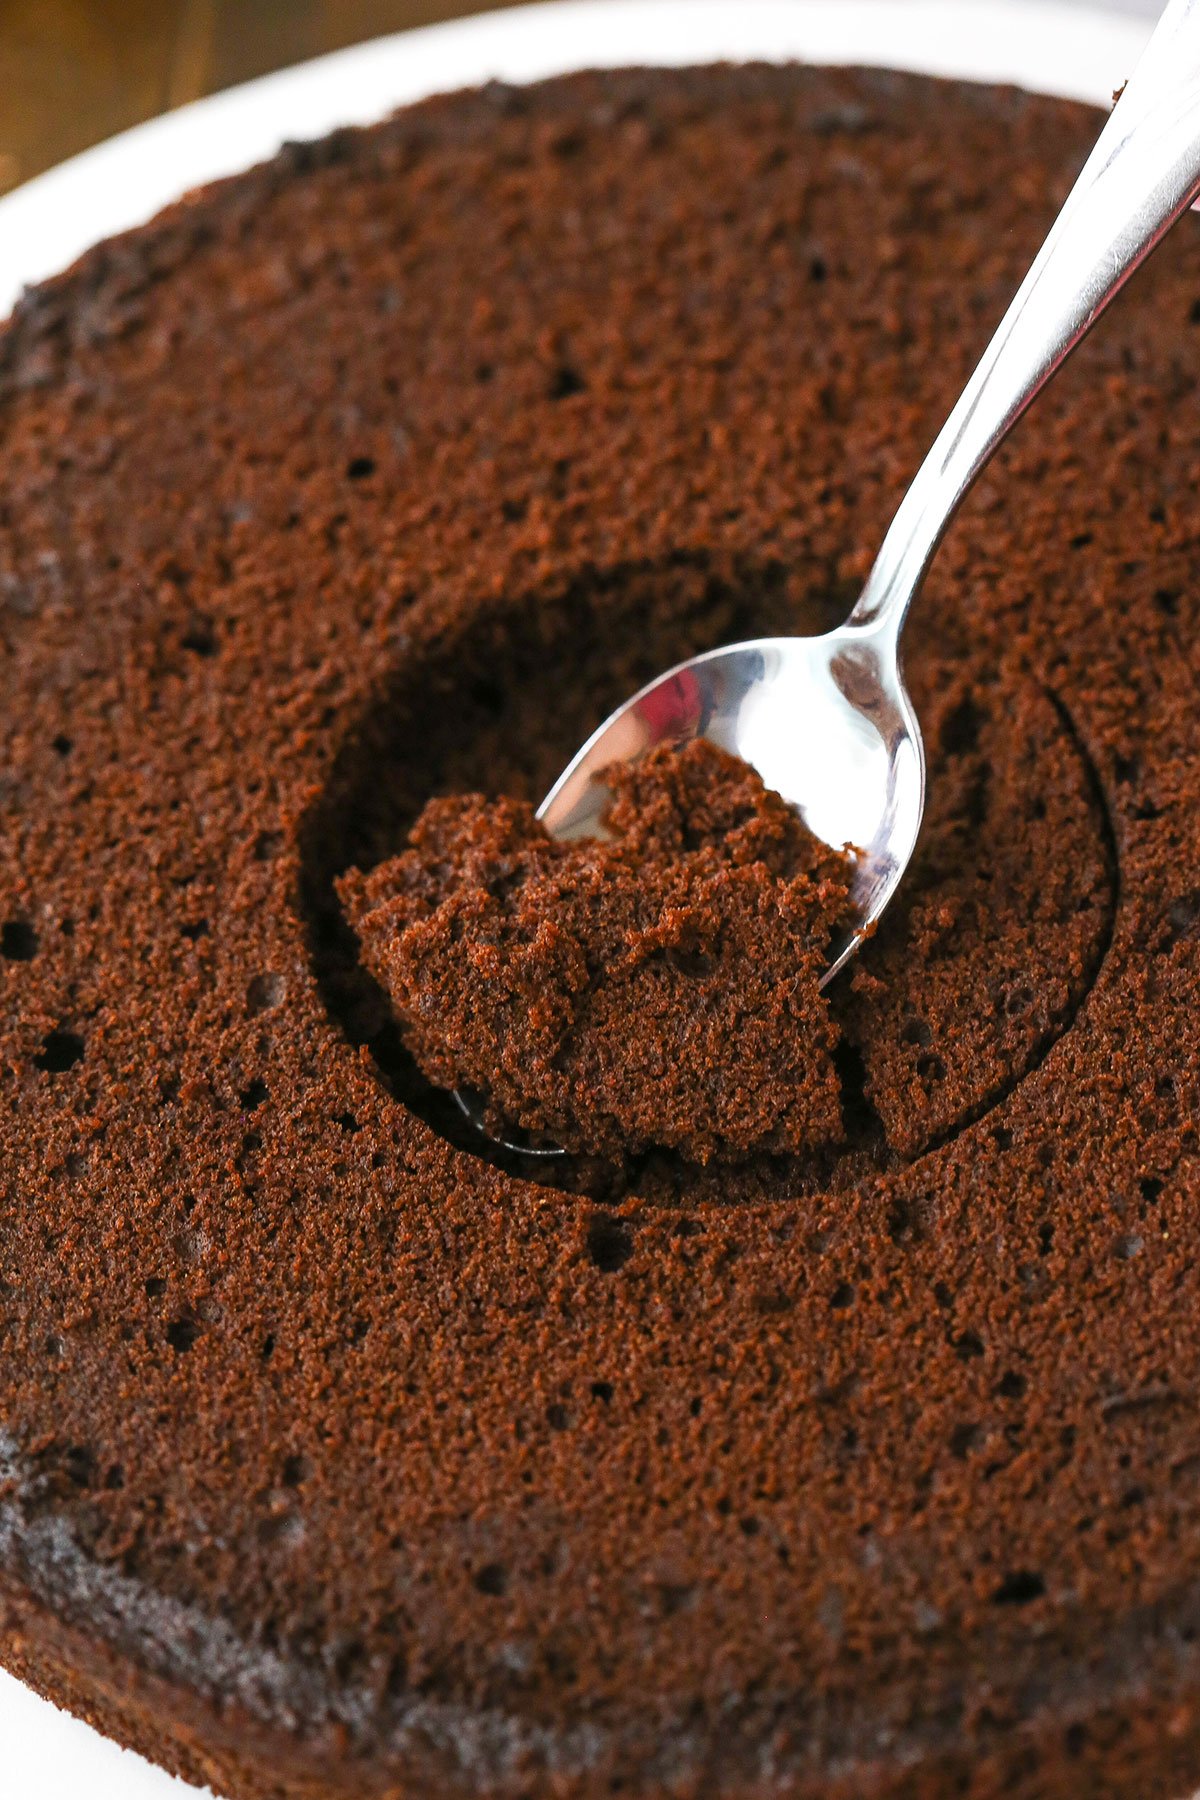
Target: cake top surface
point(867, 1475)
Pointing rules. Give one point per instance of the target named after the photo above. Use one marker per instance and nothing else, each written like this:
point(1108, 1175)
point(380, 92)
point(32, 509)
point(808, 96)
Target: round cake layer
point(338, 1457)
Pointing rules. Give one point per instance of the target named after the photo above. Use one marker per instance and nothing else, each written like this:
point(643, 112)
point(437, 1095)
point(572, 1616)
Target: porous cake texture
point(340, 1455)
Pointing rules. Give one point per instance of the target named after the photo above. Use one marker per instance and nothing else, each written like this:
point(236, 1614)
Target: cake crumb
point(658, 988)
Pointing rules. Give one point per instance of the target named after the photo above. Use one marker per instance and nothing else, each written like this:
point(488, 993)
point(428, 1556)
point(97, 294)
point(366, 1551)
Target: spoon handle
point(1142, 173)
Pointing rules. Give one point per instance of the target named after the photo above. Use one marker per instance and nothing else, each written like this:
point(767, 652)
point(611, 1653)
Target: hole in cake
point(1013, 798)
point(264, 993)
point(492, 1580)
point(60, 1051)
point(1183, 916)
point(1019, 1588)
point(466, 710)
point(961, 728)
point(565, 382)
point(963, 1439)
point(609, 1244)
point(182, 1334)
point(360, 467)
point(18, 941)
point(200, 637)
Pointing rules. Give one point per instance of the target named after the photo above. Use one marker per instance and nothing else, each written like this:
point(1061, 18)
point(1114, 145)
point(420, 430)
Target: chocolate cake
point(659, 987)
point(341, 1454)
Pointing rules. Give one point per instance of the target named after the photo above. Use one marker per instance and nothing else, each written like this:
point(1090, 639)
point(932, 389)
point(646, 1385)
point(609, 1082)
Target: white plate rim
point(1077, 51)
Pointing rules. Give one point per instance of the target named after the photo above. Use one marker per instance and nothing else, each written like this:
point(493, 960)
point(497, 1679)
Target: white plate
point(1052, 48)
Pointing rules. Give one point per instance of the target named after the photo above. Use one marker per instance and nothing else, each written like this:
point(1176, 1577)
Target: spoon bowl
point(825, 721)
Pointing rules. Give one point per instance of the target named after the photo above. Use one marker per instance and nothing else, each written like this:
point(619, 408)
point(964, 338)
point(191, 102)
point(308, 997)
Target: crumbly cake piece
point(656, 988)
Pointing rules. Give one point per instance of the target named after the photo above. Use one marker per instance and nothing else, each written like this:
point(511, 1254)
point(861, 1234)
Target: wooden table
point(74, 71)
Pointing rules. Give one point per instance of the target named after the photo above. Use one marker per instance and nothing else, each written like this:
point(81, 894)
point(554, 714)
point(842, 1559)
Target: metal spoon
point(827, 721)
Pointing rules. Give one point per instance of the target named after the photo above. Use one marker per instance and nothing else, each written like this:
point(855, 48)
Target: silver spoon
point(826, 721)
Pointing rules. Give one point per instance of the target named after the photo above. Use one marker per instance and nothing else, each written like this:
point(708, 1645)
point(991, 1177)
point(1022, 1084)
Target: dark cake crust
point(337, 1459)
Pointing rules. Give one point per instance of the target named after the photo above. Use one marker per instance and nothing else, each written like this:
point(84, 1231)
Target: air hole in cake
point(1075, 1740)
point(1012, 890)
point(565, 382)
point(200, 637)
point(18, 941)
point(961, 727)
point(264, 993)
point(963, 1439)
point(1019, 1588)
point(296, 1471)
point(60, 1051)
point(182, 1335)
point(609, 1245)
